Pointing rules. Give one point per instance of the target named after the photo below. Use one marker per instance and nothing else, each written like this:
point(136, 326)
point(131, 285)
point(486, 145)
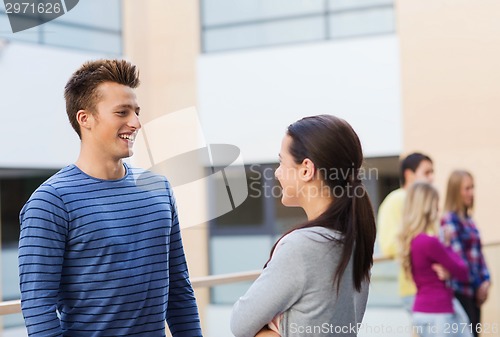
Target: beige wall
point(162, 38)
point(450, 52)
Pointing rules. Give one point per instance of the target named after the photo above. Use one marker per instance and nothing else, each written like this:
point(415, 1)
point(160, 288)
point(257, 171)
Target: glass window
point(95, 13)
point(245, 251)
point(232, 254)
point(15, 190)
point(58, 34)
point(249, 214)
point(227, 24)
point(30, 35)
point(4, 24)
point(92, 25)
point(365, 22)
point(216, 12)
point(265, 34)
point(353, 4)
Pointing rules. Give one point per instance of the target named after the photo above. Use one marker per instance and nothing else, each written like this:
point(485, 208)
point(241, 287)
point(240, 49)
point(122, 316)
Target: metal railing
point(14, 307)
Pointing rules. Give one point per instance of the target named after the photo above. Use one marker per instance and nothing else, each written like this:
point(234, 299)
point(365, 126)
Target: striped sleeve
point(182, 312)
point(44, 227)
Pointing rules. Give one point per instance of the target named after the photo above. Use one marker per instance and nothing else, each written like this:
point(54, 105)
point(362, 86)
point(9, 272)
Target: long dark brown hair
point(334, 148)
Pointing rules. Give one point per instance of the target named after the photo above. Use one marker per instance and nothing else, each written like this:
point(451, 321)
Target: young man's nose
point(135, 122)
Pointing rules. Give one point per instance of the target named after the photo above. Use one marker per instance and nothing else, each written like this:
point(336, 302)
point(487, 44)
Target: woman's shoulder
point(425, 239)
point(427, 244)
point(307, 246)
point(311, 236)
point(450, 217)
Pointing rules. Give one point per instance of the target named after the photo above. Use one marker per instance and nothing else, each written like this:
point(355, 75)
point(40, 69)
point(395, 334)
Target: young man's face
point(424, 172)
point(115, 123)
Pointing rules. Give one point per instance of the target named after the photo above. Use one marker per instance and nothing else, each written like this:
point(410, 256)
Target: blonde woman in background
point(433, 313)
point(465, 241)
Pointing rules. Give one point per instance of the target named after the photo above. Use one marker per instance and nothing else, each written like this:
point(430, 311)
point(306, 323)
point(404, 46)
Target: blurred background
point(408, 75)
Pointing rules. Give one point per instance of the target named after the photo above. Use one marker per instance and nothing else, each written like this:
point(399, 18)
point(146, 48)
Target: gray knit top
point(298, 283)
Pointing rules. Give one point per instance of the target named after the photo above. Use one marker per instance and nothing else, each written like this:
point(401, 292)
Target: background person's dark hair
point(411, 162)
point(81, 91)
point(331, 144)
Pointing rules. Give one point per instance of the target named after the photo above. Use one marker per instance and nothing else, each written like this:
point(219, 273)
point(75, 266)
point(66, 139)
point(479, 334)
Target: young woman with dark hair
point(316, 280)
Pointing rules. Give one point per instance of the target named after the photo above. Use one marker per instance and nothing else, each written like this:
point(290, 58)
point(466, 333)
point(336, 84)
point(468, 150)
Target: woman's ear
point(307, 170)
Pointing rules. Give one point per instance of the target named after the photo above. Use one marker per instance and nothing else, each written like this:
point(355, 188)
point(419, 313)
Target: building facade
point(412, 75)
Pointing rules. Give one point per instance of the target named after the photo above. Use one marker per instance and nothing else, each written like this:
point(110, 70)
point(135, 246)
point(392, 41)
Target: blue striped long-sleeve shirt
point(104, 258)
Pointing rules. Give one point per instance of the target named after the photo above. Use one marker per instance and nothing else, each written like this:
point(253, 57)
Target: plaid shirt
point(465, 241)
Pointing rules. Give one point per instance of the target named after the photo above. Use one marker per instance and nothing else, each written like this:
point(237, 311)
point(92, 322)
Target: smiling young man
point(100, 251)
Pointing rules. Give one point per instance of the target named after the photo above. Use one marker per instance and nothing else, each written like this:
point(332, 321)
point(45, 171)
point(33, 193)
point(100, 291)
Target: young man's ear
point(409, 177)
point(307, 170)
point(83, 118)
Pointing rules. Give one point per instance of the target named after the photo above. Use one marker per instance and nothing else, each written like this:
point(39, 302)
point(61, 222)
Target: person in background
point(414, 167)
point(319, 272)
point(433, 313)
point(461, 230)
